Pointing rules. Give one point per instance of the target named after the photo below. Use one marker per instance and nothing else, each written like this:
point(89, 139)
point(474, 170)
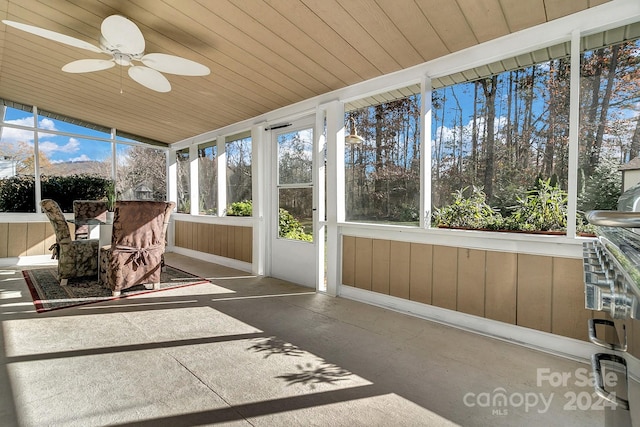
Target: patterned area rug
point(48, 294)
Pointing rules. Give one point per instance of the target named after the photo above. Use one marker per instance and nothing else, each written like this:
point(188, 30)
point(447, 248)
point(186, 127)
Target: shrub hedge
point(17, 193)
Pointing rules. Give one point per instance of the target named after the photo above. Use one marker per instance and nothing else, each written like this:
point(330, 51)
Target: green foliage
point(111, 195)
point(405, 213)
point(468, 212)
point(184, 205)
point(243, 208)
point(17, 193)
point(542, 209)
point(290, 228)
point(601, 190)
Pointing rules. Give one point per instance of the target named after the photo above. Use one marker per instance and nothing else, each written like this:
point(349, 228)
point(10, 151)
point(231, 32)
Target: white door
point(292, 221)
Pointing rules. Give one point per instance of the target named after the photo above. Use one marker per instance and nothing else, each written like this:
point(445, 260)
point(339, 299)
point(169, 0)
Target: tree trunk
point(489, 87)
point(594, 158)
point(592, 111)
point(634, 146)
point(474, 134)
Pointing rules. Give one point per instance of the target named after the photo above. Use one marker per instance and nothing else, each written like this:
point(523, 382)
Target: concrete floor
point(257, 351)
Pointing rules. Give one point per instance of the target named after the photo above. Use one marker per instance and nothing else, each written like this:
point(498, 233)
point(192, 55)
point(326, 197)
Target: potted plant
point(111, 195)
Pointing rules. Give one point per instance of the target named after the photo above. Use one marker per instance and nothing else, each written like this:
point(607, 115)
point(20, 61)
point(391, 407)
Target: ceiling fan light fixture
point(122, 59)
point(123, 41)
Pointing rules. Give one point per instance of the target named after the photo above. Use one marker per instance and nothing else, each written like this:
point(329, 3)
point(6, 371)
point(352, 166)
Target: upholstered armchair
point(137, 245)
point(86, 210)
point(76, 258)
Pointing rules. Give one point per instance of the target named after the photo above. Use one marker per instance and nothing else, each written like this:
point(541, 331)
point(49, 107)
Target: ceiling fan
point(123, 40)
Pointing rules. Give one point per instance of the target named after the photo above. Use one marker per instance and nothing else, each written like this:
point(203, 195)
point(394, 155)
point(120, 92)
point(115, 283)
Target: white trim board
point(215, 259)
point(28, 260)
point(557, 345)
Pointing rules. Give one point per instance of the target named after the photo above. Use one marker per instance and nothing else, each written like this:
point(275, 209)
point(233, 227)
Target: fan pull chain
point(121, 91)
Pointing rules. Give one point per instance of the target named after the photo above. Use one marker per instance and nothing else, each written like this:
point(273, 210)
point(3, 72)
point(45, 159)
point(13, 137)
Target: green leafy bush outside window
point(288, 226)
point(543, 208)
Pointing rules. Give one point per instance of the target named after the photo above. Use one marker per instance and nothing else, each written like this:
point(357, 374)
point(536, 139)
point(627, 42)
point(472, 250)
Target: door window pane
point(295, 184)
point(295, 157)
point(295, 213)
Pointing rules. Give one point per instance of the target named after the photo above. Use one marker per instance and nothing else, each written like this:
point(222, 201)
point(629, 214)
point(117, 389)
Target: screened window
point(74, 161)
point(207, 178)
point(17, 168)
point(382, 169)
point(500, 149)
point(609, 122)
point(183, 181)
point(141, 173)
point(238, 154)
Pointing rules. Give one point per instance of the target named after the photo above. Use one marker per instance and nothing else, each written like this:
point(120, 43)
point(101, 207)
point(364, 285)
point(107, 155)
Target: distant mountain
point(76, 168)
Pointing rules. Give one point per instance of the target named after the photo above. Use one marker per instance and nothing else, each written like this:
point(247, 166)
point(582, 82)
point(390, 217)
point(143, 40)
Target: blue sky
point(57, 148)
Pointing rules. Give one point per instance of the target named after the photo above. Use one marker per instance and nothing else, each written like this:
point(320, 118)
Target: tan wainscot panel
point(247, 244)
point(223, 235)
point(178, 234)
point(195, 237)
point(399, 269)
point(17, 240)
point(445, 276)
point(348, 260)
point(238, 243)
point(471, 282)
point(420, 279)
point(569, 317)
point(501, 277)
point(217, 239)
point(230, 242)
point(380, 267)
point(35, 238)
point(210, 232)
point(534, 292)
point(203, 237)
point(49, 237)
point(212, 239)
point(188, 235)
point(364, 256)
point(4, 240)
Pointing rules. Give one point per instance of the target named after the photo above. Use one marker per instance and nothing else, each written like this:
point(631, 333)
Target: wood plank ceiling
point(263, 54)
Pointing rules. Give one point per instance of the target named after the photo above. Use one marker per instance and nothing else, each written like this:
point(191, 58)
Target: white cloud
point(13, 135)
point(50, 148)
point(82, 158)
point(47, 124)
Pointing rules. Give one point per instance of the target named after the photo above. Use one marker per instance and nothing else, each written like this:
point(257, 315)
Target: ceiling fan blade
point(52, 35)
point(174, 65)
point(88, 65)
point(122, 35)
point(150, 78)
